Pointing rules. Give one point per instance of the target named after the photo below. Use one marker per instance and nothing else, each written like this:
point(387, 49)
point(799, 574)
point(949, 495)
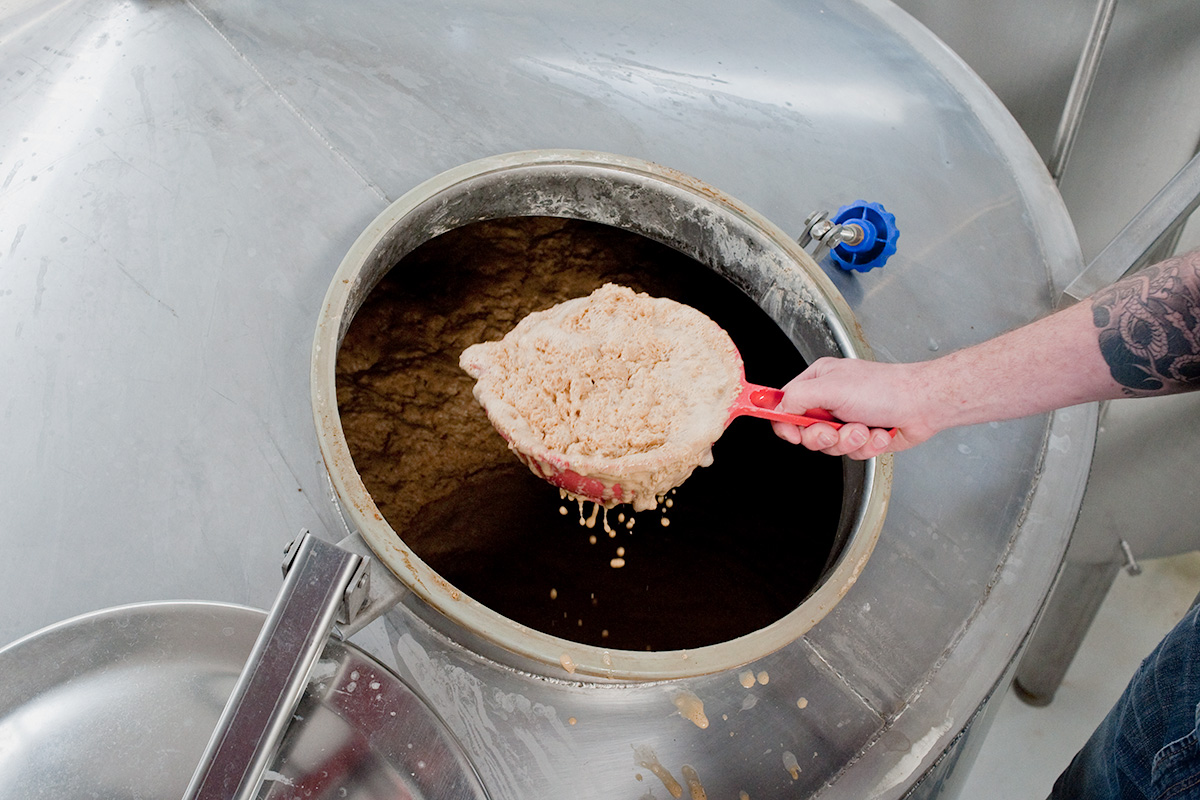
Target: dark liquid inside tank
point(746, 539)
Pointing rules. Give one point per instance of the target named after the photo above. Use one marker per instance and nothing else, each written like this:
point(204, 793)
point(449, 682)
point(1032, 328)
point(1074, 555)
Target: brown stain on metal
point(692, 779)
point(701, 187)
point(691, 708)
point(859, 333)
point(791, 764)
point(445, 586)
point(407, 559)
point(646, 757)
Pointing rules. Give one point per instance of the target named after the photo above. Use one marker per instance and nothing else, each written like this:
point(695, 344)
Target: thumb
point(807, 392)
point(812, 389)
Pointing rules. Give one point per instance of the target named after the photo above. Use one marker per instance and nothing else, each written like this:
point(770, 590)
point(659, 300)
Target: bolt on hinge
point(820, 229)
point(358, 590)
point(1131, 564)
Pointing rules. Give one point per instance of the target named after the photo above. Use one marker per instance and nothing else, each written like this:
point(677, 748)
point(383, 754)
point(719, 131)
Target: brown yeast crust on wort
point(628, 389)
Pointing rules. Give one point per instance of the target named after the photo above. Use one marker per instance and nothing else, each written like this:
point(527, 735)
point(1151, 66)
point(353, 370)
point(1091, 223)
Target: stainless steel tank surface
point(117, 702)
point(178, 183)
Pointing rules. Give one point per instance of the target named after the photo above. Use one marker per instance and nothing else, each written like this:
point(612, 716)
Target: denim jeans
point(1148, 745)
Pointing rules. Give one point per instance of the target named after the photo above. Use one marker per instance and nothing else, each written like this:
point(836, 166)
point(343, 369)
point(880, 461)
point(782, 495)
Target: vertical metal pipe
point(1081, 88)
point(1065, 621)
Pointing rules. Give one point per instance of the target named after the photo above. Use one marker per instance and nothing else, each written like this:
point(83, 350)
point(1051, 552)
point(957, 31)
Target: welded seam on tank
point(846, 684)
point(290, 106)
point(888, 721)
point(476, 650)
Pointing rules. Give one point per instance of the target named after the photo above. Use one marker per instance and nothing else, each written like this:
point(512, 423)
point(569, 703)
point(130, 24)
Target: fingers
point(854, 440)
point(878, 442)
point(789, 433)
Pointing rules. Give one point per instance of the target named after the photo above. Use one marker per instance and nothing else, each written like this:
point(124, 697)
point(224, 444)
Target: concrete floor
point(1028, 747)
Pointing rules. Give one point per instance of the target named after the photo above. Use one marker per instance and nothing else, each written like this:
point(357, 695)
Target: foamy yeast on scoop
point(618, 386)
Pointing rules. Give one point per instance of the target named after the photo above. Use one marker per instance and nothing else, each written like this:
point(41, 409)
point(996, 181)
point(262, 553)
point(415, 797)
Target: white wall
point(1143, 120)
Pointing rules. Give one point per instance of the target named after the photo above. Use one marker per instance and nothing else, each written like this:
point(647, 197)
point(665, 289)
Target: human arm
point(1140, 336)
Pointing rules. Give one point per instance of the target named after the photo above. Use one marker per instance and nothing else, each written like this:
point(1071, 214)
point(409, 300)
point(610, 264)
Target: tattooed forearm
point(1149, 327)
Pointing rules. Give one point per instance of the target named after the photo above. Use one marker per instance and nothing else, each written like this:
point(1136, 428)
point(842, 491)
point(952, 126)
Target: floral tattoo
point(1150, 328)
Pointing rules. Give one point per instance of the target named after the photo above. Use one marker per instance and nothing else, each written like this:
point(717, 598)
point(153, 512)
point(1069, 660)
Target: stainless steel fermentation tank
point(180, 179)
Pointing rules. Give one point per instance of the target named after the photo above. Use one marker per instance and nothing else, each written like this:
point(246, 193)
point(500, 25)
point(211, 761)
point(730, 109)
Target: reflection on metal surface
point(359, 732)
point(119, 703)
point(852, 100)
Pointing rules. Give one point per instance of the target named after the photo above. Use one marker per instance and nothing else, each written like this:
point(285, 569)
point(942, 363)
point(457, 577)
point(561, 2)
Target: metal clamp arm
point(1130, 248)
point(267, 692)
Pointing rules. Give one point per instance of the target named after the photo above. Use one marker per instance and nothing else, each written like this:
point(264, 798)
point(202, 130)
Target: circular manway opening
point(735, 548)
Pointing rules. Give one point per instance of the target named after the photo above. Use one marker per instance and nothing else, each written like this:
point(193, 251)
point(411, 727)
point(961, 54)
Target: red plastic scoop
point(761, 401)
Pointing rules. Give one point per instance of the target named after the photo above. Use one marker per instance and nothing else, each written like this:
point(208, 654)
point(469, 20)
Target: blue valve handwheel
point(879, 236)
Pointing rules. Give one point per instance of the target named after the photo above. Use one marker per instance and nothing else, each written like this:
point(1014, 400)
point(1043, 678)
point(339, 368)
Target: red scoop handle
point(761, 402)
